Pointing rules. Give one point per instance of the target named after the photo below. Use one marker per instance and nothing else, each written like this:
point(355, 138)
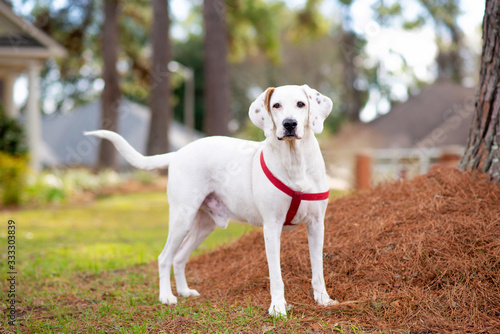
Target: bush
point(13, 170)
point(143, 176)
point(11, 136)
point(44, 188)
point(80, 179)
point(57, 186)
point(13, 161)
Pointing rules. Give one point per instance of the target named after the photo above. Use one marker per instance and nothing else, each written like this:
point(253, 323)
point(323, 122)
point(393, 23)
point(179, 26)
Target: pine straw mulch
point(419, 255)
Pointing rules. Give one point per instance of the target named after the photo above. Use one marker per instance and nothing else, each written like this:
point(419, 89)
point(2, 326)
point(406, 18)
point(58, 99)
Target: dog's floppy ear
point(320, 107)
point(260, 112)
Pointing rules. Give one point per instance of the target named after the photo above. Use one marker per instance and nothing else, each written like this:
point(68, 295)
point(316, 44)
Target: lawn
point(114, 232)
point(83, 254)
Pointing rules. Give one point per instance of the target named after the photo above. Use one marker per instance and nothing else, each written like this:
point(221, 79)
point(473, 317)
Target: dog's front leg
point(272, 234)
point(315, 238)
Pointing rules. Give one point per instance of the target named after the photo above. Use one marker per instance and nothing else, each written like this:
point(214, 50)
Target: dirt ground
point(419, 255)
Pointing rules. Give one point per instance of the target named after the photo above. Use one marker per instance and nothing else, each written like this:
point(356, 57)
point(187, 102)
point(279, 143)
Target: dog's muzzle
point(290, 126)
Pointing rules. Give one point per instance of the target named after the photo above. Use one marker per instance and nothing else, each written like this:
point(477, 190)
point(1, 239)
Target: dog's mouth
point(289, 136)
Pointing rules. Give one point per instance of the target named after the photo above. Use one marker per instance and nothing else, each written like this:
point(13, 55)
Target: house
point(24, 49)
point(64, 144)
point(411, 138)
point(439, 116)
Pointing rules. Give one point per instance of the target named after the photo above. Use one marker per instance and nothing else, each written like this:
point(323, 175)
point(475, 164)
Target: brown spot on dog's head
point(257, 111)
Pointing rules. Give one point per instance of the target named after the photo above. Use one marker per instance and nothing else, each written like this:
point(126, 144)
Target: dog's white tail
point(130, 154)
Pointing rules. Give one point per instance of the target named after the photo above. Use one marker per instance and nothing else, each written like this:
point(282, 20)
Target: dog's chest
point(308, 211)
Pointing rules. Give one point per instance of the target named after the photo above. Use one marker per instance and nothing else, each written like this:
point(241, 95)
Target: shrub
point(45, 188)
point(144, 176)
point(11, 136)
point(13, 161)
point(13, 170)
point(58, 185)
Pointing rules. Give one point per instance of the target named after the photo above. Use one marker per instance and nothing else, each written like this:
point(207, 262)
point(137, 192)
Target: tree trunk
point(216, 69)
point(111, 94)
point(159, 102)
point(482, 150)
point(351, 97)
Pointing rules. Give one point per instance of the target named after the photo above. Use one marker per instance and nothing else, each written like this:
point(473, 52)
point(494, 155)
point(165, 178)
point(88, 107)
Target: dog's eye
point(276, 106)
point(301, 104)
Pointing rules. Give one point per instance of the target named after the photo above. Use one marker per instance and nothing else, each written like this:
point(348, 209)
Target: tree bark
point(351, 97)
point(216, 69)
point(482, 151)
point(111, 94)
point(159, 102)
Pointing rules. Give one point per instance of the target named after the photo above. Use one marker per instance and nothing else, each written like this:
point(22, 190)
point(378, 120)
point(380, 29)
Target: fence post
point(363, 173)
point(450, 156)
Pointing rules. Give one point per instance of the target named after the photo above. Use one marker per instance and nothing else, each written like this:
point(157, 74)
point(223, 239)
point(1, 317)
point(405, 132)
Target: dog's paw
point(329, 302)
point(168, 299)
point(324, 299)
point(278, 310)
point(188, 293)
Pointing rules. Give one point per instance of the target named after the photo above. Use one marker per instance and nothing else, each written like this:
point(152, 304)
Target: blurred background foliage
point(271, 42)
point(13, 161)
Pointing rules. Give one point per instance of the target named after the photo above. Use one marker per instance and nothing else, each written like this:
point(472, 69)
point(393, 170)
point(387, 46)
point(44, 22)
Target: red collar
point(297, 196)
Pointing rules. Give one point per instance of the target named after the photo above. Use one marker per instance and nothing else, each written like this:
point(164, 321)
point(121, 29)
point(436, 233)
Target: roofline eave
point(53, 47)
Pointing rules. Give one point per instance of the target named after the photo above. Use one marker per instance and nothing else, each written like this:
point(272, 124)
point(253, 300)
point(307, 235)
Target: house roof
point(21, 39)
point(440, 115)
point(64, 144)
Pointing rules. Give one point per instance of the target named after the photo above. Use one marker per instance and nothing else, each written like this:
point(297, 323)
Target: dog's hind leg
point(203, 226)
point(181, 220)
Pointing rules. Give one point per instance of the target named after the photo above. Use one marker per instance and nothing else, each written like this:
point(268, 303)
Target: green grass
point(112, 233)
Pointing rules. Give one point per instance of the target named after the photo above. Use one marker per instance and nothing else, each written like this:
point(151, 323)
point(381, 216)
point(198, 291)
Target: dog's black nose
point(289, 124)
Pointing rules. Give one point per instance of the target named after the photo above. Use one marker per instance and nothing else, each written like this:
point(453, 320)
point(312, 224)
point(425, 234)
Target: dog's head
point(289, 111)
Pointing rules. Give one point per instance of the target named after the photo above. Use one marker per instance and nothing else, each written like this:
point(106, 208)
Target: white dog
point(215, 179)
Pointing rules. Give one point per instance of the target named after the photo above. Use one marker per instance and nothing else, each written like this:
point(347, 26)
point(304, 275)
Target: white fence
point(367, 168)
point(391, 164)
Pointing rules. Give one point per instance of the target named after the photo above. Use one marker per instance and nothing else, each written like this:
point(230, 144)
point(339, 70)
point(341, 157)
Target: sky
point(384, 44)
